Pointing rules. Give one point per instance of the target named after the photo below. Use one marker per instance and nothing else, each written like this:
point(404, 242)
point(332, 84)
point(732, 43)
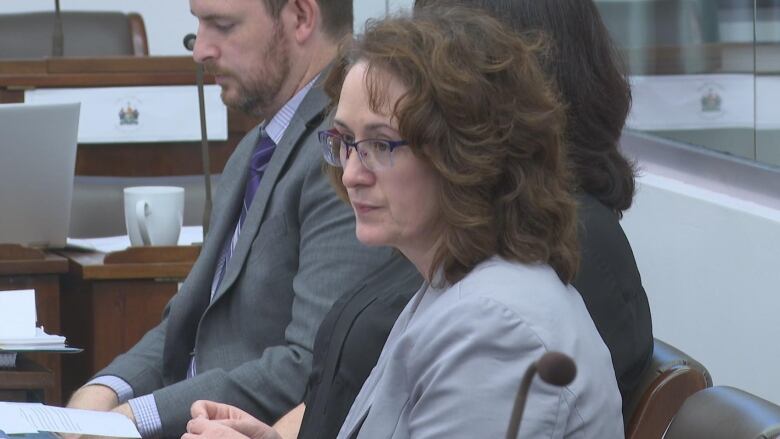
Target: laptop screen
point(37, 164)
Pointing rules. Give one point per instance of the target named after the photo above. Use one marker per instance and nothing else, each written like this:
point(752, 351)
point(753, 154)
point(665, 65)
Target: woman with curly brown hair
point(448, 143)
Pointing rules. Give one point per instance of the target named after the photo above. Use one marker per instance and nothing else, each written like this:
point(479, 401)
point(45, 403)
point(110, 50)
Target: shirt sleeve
point(147, 417)
point(118, 385)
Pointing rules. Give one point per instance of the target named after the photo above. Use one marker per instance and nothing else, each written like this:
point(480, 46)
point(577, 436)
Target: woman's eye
point(379, 146)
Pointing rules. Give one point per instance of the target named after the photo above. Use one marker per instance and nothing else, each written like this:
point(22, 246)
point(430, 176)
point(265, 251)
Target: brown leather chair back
point(85, 34)
point(725, 413)
point(671, 378)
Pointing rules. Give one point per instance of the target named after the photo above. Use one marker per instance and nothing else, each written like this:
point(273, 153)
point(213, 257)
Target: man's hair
point(479, 110)
point(336, 15)
point(590, 74)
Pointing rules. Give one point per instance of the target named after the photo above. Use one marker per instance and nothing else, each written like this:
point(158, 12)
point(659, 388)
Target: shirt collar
point(276, 127)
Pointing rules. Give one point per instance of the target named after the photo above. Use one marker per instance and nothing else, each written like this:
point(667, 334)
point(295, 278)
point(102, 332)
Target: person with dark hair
point(448, 142)
point(281, 248)
point(588, 72)
point(590, 76)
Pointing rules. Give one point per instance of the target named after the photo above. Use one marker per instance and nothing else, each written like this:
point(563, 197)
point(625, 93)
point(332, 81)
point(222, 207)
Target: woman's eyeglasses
point(374, 154)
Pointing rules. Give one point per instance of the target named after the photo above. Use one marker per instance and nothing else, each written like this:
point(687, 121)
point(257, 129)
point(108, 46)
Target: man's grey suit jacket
point(297, 253)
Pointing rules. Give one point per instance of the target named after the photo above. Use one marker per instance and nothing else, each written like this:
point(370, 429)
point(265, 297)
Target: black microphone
point(554, 368)
point(57, 37)
point(189, 44)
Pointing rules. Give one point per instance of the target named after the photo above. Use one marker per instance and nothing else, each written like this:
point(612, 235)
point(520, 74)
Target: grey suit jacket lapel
point(310, 109)
point(226, 212)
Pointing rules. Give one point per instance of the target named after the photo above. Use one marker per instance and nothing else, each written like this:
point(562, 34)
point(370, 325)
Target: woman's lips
point(362, 208)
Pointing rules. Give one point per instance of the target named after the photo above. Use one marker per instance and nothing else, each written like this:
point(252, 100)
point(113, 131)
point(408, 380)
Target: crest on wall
point(711, 101)
point(128, 115)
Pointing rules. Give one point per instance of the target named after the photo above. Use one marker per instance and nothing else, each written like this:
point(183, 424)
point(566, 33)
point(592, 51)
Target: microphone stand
point(57, 36)
point(519, 407)
point(554, 368)
point(189, 44)
point(204, 150)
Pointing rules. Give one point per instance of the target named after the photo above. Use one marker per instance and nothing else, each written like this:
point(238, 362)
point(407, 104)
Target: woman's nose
point(355, 174)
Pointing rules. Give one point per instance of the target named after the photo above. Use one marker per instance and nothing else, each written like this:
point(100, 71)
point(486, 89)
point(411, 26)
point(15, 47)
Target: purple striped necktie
point(257, 165)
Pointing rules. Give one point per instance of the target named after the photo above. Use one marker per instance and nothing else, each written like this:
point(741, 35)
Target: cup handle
point(141, 212)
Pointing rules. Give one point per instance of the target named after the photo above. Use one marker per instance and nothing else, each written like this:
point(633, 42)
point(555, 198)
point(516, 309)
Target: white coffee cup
point(154, 214)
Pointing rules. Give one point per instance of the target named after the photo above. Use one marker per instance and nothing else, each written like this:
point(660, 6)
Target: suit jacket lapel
point(227, 211)
point(309, 113)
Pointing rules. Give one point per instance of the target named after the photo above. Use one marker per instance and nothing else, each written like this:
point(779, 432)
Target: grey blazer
point(454, 359)
point(297, 253)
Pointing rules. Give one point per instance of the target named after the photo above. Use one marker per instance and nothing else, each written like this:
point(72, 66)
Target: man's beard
point(258, 89)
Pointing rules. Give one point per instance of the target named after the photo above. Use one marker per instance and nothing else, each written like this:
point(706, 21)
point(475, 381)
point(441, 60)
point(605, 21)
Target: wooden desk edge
point(168, 270)
point(90, 266)
point(51, 264)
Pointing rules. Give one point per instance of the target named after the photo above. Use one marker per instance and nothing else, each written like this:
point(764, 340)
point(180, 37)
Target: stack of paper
point(18, 331)
point(40, 341)
point(22, 418)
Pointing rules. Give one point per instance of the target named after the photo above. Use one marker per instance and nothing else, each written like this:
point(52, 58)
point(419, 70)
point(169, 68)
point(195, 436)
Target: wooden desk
point(109, 303)
point(32, 269)
point(27, 382)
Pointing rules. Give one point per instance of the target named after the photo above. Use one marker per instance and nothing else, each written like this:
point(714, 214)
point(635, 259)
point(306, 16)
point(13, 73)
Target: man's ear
point(304, 16)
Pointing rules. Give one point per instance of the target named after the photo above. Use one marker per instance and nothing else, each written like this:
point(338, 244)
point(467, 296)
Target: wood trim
point(16, 252)
point(150, 160)
point(28, 375)
point(138, 34)
point(91, 266)
point(49, 264)
point(178, 270)
point(663, 398)
point(144, 255)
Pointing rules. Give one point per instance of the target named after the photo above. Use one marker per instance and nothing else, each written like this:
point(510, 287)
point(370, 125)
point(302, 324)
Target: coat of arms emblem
point(128, 115)
point(710, 101)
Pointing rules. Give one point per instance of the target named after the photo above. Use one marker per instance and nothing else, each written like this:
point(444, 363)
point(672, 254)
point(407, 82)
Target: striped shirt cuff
point(147, 417)
point(118, 385)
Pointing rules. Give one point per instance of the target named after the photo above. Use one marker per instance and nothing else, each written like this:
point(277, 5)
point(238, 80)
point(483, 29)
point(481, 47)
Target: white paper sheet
point(17, 314)
point(40, 417)
point(140, 114)
point(12, 423)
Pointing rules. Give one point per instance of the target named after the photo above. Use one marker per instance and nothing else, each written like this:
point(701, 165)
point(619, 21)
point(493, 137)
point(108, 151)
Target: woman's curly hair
point(479, 109)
